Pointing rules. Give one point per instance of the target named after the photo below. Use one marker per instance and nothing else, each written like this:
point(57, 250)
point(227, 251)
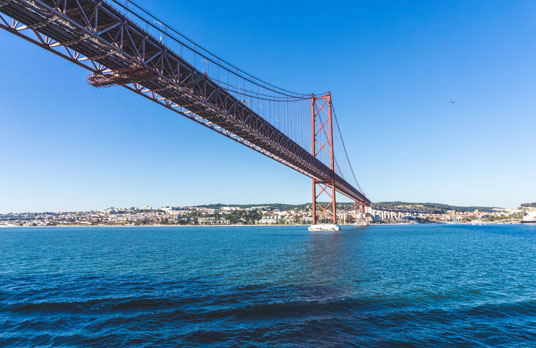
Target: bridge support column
point(322, 140)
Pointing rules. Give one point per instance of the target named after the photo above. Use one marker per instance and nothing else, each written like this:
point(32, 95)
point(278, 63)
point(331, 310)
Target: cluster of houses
point(230, 215)
point(145, 215)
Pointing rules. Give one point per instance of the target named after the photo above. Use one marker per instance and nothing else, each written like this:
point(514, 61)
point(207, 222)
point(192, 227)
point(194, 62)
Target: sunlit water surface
point(380, 286)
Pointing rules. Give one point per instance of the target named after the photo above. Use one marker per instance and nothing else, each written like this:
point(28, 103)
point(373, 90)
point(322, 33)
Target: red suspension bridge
point(122, 44)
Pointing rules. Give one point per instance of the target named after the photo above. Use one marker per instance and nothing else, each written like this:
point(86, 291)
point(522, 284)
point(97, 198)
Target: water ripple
point(410, 286)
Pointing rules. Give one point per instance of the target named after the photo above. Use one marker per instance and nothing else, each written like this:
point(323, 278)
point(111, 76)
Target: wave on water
point(253, 315)
point(388, 287)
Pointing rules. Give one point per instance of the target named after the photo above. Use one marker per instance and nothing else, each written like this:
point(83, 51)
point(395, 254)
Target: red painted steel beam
point(93, 34)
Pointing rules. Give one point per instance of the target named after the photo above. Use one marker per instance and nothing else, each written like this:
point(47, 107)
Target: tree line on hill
point(435, 207)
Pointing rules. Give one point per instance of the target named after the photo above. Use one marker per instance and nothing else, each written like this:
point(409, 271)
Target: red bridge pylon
point(322, 140)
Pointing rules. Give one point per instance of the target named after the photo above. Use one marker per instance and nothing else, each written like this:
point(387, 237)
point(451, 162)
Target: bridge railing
point(118, 50)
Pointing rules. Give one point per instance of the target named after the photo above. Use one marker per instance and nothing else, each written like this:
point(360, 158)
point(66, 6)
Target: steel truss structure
point(99, 38)
point(322, 140)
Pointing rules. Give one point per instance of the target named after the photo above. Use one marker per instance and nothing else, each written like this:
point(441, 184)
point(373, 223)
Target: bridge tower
point(322, 140)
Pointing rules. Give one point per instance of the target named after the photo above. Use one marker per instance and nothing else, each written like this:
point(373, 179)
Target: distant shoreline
point(256, 225)
point(125, 226)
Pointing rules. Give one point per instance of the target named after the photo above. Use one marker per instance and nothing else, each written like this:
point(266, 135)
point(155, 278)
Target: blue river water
point(379, 286)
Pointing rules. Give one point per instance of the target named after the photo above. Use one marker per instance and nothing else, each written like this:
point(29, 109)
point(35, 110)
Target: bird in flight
point(452, 101)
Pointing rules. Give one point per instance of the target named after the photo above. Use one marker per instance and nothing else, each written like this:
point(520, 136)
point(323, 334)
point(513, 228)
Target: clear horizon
point(238, 204)
point(392, 68)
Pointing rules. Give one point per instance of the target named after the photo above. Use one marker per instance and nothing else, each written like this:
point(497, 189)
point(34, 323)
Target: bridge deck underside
point(112, 42)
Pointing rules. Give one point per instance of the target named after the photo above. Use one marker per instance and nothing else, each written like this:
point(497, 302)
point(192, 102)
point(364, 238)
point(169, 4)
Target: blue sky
point(392, 67)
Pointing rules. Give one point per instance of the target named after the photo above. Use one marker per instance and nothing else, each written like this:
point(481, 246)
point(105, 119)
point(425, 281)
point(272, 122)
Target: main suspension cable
point(344, 147)
point(277, 89)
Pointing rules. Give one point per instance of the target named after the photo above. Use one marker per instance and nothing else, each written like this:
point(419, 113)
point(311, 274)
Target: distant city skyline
point(393, 69)
point(267, 214)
